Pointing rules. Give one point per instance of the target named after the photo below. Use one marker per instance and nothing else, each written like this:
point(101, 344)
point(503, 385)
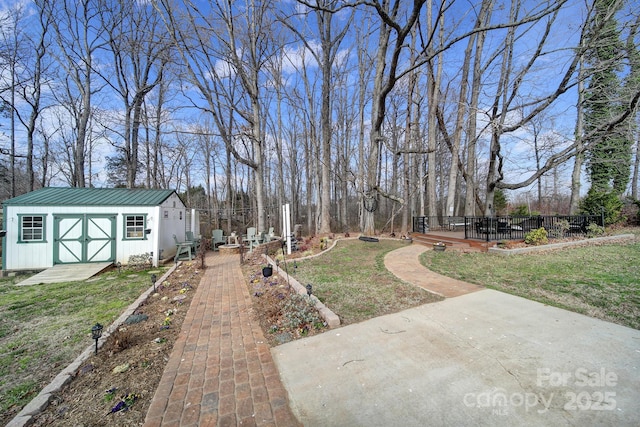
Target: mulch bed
point(115, 387)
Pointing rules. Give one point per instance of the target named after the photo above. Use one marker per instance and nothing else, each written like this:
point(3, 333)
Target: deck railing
point(507, 227)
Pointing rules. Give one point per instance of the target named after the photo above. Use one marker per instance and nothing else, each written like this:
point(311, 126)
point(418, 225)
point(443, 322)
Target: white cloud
point(299, 56)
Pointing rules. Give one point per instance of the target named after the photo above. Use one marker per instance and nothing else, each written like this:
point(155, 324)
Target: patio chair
point(217, 237)
point(481, 227)
point(258, 239)
point(504, 228)
point(250, 238)
point(182, 248)
point(195, 241)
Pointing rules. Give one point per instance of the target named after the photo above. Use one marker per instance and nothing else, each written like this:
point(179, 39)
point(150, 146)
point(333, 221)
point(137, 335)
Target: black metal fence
point(424, 224)
point(508, 227)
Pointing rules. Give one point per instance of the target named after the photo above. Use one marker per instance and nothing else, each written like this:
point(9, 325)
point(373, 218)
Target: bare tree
point(325, 56)
point(433, 95)
point(31, 92)
point(79, 36)
point(216, 43)
point(278, 130)
point(535, 106)
point(12, 53)
point(399, 22)
point(471, 194)
point(633, 83)
point(466, 111)
point(385, 77)
point(140, 52)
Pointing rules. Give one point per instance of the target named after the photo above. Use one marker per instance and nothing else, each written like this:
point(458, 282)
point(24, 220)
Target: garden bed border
point(561, 245)
point(332, 319)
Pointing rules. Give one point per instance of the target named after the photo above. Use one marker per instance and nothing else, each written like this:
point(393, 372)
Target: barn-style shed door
point(84, 238)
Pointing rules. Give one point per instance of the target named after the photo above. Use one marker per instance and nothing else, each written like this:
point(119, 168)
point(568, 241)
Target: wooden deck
point(453, 239)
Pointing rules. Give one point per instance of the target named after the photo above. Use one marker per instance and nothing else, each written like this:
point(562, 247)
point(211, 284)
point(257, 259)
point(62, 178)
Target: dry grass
point(353, 282)
point(600, 281)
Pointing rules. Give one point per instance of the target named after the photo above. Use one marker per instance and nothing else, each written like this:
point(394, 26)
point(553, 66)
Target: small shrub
point(122, 340)
point(110, 394)
point(284, 314)
point(299, 313)
point(637, 203)
point(536, 237)
point(559, 229)
point(304, 247)
point(594, 230)
point(324, 243)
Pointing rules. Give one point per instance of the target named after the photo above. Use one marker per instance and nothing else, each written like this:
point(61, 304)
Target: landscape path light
point(96, 333)
point(153, 281)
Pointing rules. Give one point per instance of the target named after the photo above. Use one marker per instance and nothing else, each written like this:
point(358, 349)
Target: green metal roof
point(55, 196)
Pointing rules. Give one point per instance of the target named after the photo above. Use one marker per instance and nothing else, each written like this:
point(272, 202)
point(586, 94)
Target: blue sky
point(559, 121)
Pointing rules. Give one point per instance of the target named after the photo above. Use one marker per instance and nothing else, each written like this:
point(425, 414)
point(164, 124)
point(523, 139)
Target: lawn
point(44, 327)
point(352, 281)
point(599, 281)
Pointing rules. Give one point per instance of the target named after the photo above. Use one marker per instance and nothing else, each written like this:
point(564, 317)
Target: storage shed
point(53, 226)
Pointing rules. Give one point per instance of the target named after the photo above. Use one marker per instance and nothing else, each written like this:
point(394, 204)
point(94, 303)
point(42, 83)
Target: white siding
point(126, 248)
point(27, 256)
point(172, 214)
point(39, 256)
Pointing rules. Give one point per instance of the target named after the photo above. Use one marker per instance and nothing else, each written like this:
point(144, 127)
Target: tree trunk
point(375, 136)
point(463, 112)
point(636, 168)
point(325, 124)
point(499, 113)
point(579, 157)
point(433, 94)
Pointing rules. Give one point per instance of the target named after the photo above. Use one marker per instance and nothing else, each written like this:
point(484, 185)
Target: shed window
point(32, 228)
point(134, 226)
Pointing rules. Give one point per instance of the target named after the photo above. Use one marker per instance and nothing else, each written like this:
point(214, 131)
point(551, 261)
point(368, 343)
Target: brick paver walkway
point(220, 371)
point(404, 263)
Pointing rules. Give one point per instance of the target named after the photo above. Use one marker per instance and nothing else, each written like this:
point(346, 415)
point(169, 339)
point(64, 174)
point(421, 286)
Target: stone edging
point(541, 248)
point(335, 242)
point(329, 316)
point(41, 401)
